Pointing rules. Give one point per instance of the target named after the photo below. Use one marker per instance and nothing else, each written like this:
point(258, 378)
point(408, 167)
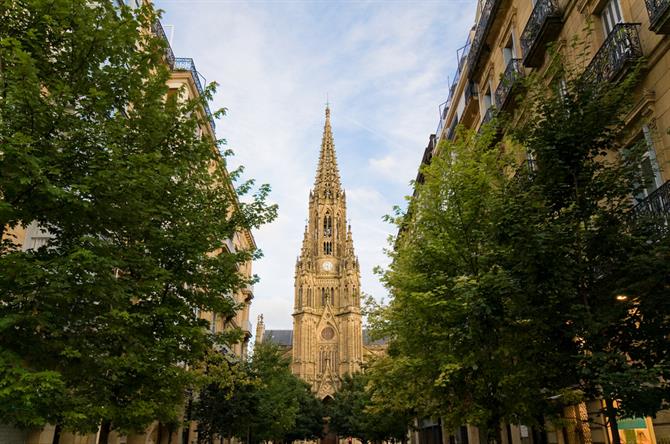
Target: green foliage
point(352, 413)
point(100, 324)
point(258, 401)
point(511, 274)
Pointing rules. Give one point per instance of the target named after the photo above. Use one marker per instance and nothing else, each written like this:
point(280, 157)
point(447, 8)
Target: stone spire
point(327, 182)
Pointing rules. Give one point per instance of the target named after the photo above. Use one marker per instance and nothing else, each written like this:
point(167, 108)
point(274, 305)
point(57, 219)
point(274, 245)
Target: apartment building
point(512, 38)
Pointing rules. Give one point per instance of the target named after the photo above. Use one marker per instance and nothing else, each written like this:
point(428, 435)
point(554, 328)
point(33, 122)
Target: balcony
point(659, 15)
point(656, 205)
point(509, 80)
point(159, 32)
point(478, 44)
point(620, 50)
point(186, 64)
point(543, 26)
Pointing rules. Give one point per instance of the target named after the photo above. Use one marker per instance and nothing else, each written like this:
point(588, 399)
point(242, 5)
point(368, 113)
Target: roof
point(283, 338)
point(368, 341)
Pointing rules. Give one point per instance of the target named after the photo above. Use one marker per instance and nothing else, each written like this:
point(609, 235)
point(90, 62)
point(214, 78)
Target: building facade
point(509, 40)
point(327, 340)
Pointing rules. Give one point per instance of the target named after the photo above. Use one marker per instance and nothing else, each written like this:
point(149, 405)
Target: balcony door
point(651, 174)
point(611, 16)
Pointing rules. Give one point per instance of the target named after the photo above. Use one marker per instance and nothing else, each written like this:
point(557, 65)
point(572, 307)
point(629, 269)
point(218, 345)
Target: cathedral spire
point(327, 180)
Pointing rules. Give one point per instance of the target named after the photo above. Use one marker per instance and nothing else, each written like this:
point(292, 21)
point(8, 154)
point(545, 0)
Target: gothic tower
point(327, 332)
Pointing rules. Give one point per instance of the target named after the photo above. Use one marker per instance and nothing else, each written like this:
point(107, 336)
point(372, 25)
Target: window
point(509, 50)
point(611, 15)
point(650, 172)
point(487, 100)
point(300, 297)
point(213, 323)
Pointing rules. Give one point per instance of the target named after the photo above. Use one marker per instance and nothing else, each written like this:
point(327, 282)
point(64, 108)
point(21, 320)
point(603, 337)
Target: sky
point(384, 67)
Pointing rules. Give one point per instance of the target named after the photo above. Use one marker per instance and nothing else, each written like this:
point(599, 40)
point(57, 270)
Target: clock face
point(327, 266)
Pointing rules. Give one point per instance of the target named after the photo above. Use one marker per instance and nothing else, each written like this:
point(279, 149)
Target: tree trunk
point(105, 429)
point(56, 438)
point(610, 413)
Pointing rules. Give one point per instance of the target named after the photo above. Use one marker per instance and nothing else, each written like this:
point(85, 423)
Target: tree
point(258, 401)
point(309, 420)
point(279, 397)
point(536, 286)
point(595, 271)
point(351, 413)
point(100, 325)
point(228, 404)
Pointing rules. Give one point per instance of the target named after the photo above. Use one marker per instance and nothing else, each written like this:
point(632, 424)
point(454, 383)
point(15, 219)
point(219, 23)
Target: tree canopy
point(518, 289)
point(265, 402)
point(353, 413)
point(101, 323)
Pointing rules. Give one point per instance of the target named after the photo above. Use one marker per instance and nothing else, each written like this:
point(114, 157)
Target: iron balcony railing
point(657, 9)
point(512, 73)
point(621, 47)
point(657, 204)
point(483, 25)
point(158, 31)
point(461, 55)
point(186, 64)
point(543, 11)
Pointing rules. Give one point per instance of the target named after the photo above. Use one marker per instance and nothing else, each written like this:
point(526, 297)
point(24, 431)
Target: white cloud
point(385, 67)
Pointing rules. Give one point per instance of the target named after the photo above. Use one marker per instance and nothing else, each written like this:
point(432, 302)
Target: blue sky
point(385, 66)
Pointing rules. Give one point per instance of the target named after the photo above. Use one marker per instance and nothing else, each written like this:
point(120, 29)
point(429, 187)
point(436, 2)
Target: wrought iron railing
point(443, 110)
point(509, 78)
point(483, 26)
point(158, 31)
point(462, 55)
point(621, 47)
point(186, 64)
point(543, 9)
point(656, 9)
point(657, 204)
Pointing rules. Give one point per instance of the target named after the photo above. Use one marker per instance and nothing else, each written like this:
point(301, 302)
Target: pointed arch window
point(323, 297)
point(300, 297)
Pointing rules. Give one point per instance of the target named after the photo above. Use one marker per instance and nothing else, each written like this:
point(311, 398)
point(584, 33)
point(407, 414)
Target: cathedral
point(327, 340)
